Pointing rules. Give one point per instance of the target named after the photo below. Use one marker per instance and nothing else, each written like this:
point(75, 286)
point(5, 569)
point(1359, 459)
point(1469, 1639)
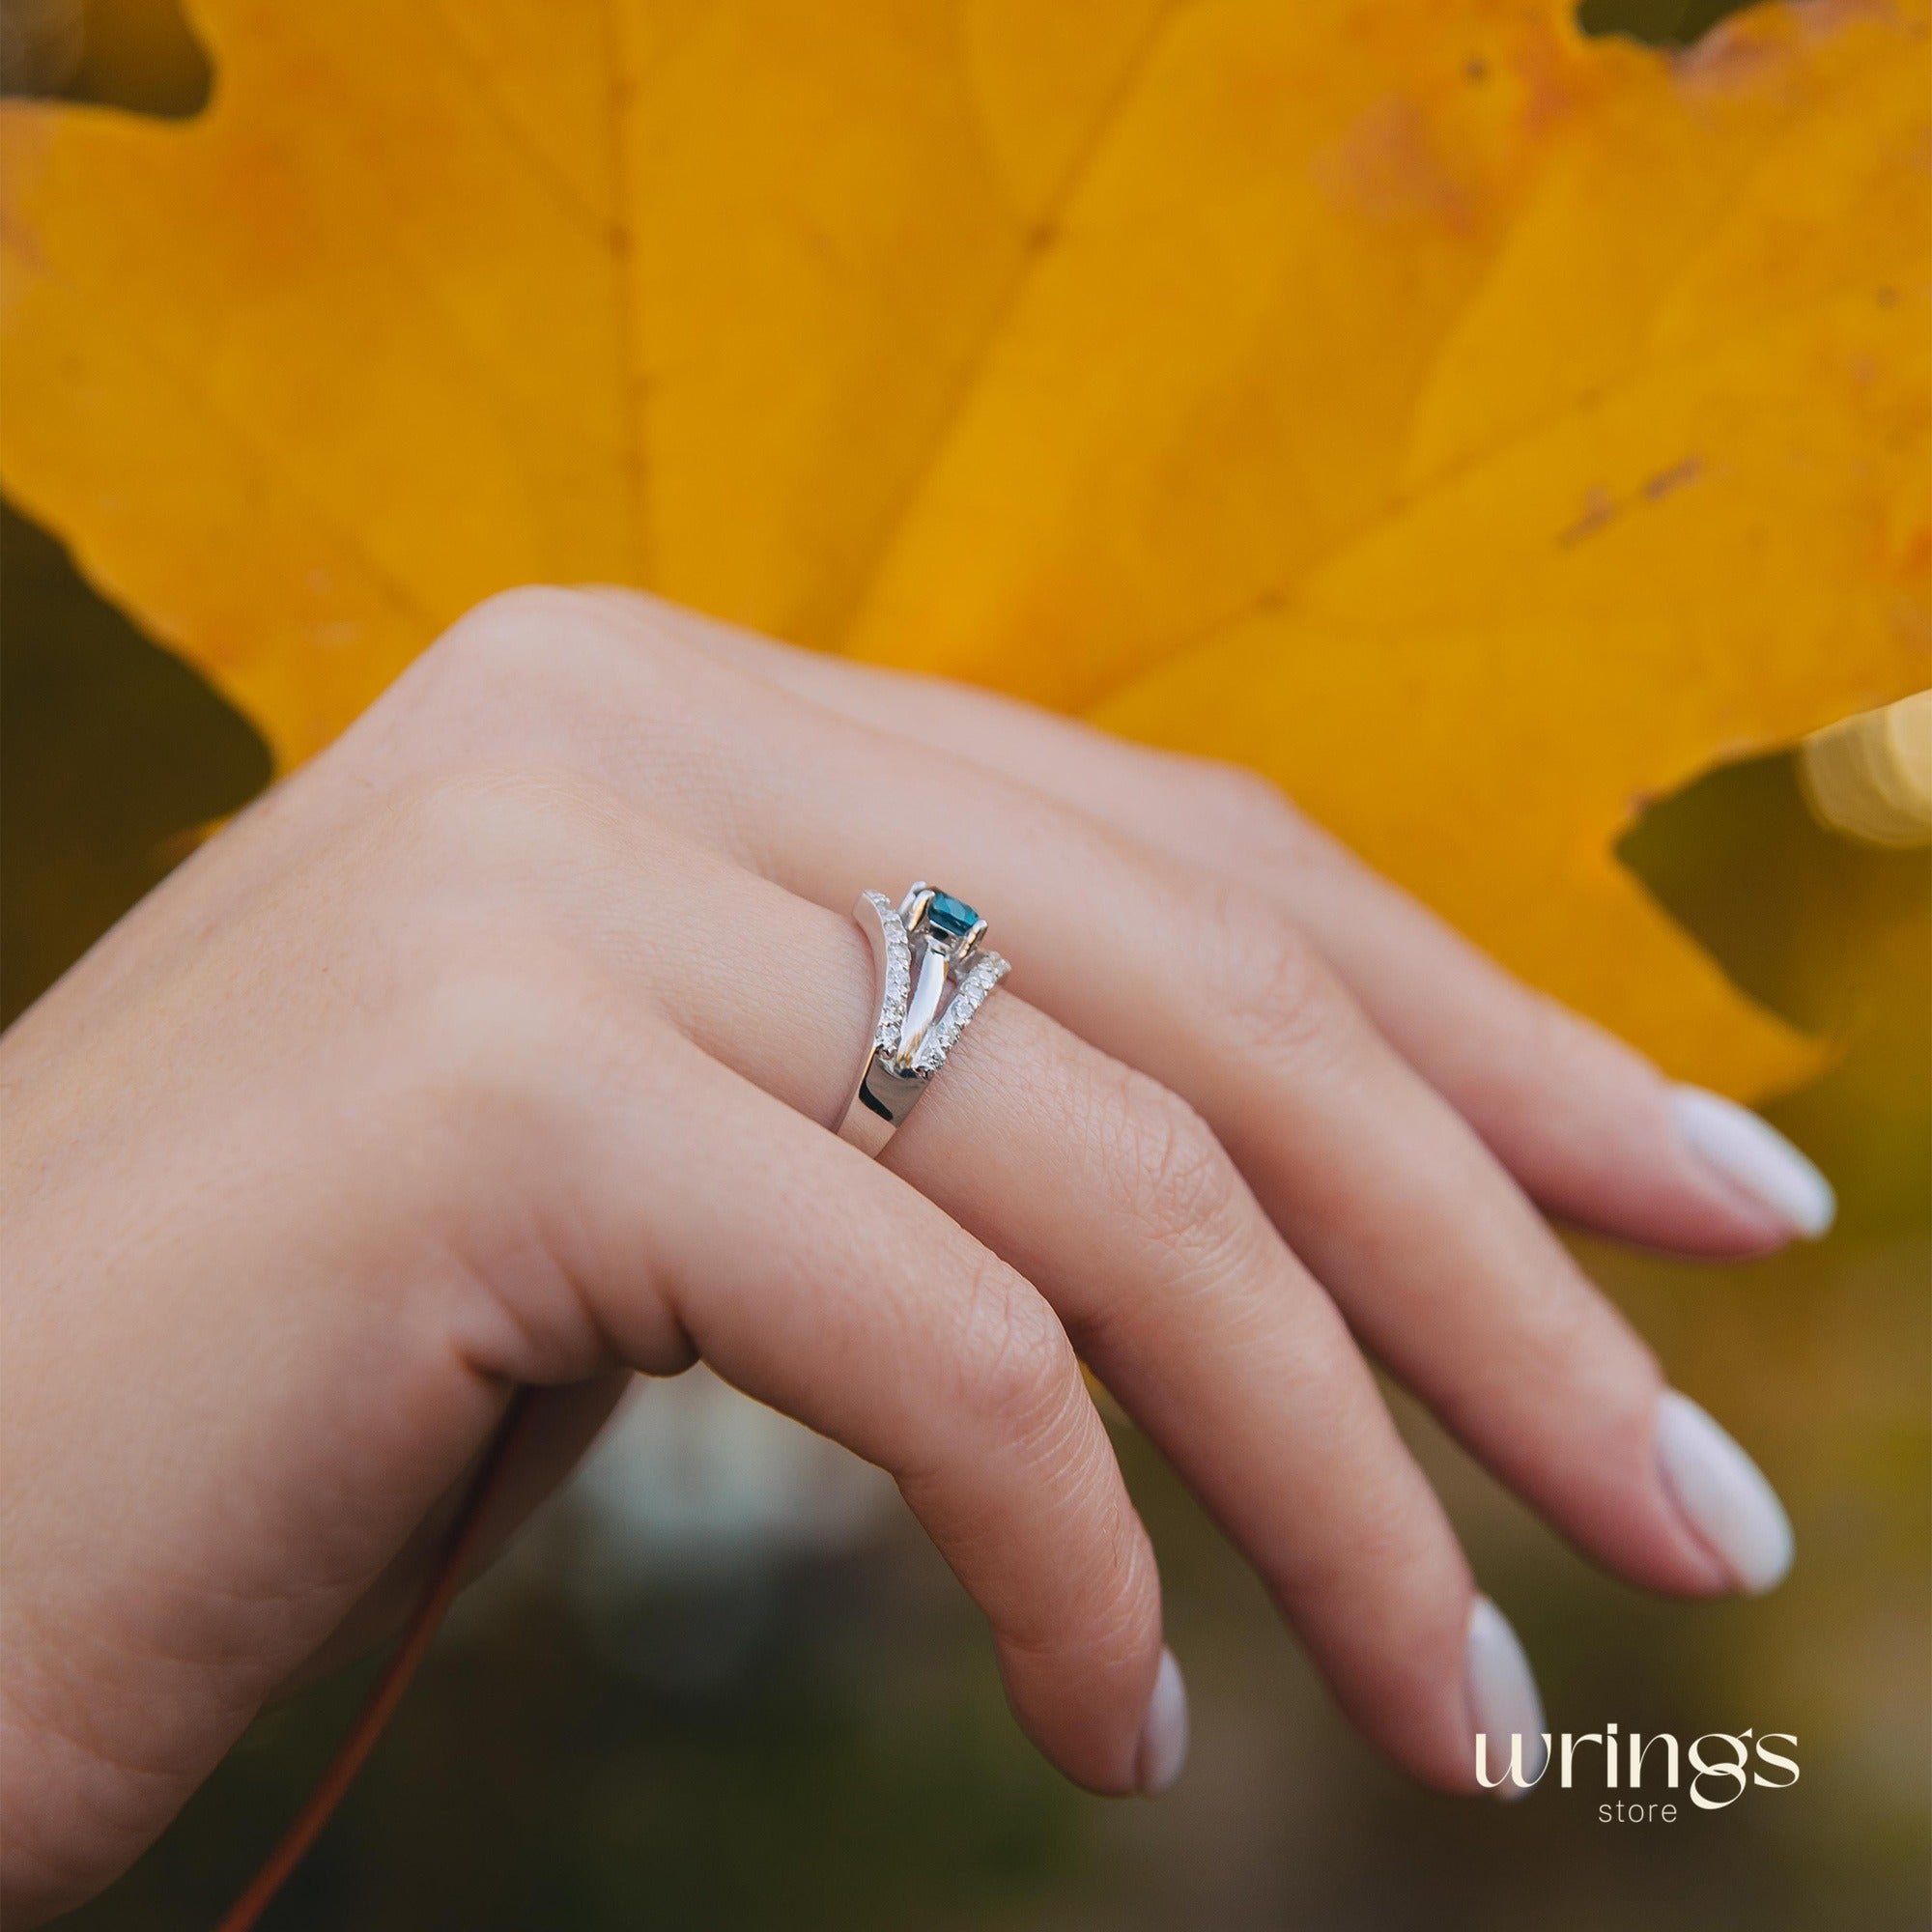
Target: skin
point(497, 1046)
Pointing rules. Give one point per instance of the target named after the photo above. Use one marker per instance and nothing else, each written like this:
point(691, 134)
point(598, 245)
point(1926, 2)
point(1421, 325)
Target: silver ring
point(925, 943)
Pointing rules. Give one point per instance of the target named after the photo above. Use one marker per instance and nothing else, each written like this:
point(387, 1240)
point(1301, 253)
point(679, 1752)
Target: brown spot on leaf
point(1600, 507)
point(1660, 486)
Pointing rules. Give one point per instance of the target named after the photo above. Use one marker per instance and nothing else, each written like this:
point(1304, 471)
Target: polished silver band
point(929, 941)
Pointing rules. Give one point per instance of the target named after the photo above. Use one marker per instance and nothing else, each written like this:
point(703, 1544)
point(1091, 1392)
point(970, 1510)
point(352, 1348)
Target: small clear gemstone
point(899, 974)
point(981, 977)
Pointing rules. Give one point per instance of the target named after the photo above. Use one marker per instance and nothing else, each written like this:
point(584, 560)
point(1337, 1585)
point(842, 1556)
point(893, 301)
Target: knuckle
point(507, 642)
point(515, 627)
point(1274, 993)
point(1551, 1045)
point(1243, 797)
point(1016, 1359)
point(539, 645)
point(541, 660)
point(536, 627)
point(1563, 1331)
point(1117, 1621)
point(1176, 1182)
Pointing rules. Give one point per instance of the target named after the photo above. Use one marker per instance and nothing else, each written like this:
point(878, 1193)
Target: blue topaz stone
point(954, 917)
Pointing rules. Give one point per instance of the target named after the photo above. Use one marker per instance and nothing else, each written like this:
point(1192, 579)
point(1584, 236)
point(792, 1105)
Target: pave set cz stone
point(899, 974)
point(941, 928)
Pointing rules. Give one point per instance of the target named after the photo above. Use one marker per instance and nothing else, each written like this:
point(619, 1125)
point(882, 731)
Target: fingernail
point(1163, 1746)
point(1504, 1704)
point(1749, 1151)
point(1725, 1494)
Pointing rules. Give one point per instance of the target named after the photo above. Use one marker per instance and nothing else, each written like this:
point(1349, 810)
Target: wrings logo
point(1721, 1766)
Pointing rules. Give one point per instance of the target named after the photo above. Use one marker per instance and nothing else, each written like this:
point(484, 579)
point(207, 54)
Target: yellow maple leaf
point(1477, 426)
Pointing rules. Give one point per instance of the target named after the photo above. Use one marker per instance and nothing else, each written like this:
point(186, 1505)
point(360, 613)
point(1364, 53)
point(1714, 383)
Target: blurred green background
point(724, 1719)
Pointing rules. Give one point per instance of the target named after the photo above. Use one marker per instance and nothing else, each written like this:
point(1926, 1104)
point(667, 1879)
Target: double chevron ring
point(927, 943)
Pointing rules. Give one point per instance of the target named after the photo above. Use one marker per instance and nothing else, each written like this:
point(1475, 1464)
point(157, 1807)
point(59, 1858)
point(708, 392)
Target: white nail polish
point(1752, 1154)
point(1504, 1707)
point(1725, 1494)
point(1163, 1748)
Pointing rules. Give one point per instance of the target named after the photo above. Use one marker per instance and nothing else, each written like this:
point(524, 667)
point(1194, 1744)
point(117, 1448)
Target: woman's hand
point(497, 1046)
